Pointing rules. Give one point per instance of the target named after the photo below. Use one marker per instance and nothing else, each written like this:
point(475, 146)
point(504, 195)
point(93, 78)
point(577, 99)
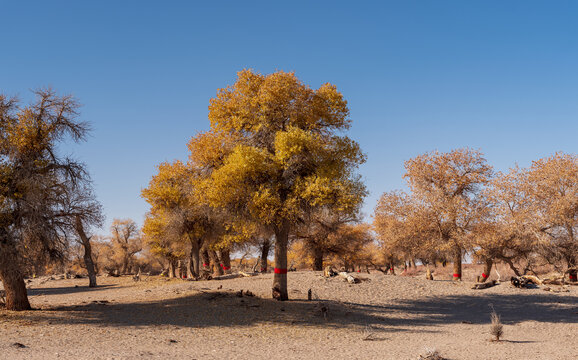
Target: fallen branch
point(248, 274)
point(485, 285)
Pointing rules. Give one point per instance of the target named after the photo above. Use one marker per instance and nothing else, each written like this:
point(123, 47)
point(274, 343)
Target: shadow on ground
point(223, 309)
point(36, 291)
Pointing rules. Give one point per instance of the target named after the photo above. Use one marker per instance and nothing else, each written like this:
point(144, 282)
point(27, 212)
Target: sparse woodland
point(275, 177)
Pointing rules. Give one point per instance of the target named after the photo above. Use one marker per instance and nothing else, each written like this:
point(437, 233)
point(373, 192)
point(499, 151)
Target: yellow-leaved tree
point(448, 186)
point(287, 155)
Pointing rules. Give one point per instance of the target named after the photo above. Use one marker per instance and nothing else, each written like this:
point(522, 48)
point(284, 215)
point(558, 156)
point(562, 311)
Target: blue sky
point(419, 75)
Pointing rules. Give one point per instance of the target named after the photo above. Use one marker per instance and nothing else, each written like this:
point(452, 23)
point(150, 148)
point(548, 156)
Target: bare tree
point(126, 241)
point(35, 181)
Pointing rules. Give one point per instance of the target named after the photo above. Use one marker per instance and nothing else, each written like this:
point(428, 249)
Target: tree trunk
point(457, 263)
point(265, 247)
point(513, 267)
point(487, 269)
point(225, 257)
point(12, 279)
point(280, 277)
point(194, 267)
point(206, 259)
point(318, 259)
point(172, 268)
point(90, 269)
point(217, 265)
point(15, 290)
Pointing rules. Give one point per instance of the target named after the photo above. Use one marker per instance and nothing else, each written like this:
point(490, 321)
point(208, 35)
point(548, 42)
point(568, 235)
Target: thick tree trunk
point(318, 259)
point(205, 259)
point(573, 275)
point(487, 269)
point(15, 290)
point(457, 263)
point(172, 268)
point(265, 247)
point(225, 257)
point(12, 279)
point(280, 277)
point(194, 267)
point(217, 265)
point(90, 268)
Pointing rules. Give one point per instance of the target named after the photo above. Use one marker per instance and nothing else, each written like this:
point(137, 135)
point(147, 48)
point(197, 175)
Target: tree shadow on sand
point(37, 291)
point(226, 309)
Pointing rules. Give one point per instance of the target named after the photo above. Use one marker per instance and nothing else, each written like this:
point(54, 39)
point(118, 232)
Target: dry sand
point(385, 317)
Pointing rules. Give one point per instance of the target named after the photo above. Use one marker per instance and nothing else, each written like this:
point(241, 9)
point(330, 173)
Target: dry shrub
point(431, 354)
point(496, 329)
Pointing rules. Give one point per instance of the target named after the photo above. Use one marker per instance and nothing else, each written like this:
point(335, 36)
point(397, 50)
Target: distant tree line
point(457, 204)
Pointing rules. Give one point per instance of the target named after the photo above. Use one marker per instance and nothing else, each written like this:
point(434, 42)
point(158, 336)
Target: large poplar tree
point(289, 154)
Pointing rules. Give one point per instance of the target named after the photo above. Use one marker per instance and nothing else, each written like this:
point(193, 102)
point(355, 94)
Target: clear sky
point(499, 76)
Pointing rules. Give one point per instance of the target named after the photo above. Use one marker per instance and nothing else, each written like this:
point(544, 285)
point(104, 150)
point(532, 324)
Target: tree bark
point(13, 280)
point(217, 268)
point(487, 269)
point(225, 257)
point(85, 240)
point(318, 259)
point(194, 267)
point(206, 259)
point(172, 268)
point(265, 247)
point(280, 277)
point(457, 263)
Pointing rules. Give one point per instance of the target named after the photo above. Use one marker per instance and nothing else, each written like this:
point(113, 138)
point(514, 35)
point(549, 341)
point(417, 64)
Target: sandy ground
point(385, 317)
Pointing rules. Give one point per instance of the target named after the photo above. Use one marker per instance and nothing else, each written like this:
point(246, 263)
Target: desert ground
point(383, 317)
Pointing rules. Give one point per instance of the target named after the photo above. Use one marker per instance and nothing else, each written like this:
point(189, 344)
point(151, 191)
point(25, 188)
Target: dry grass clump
point(431, 354)
point(496, 329)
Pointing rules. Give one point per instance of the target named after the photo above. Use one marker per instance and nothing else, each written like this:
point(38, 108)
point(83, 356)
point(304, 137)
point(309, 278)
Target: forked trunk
point(280, 276)
point(457, 263)
point(318, 259)
point(217, 265)
point(265, 247)
point(85, 240)
point(487, 269)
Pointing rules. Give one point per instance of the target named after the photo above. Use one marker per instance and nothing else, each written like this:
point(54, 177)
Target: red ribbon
point(280, 271)
point(484, 275)
point(457, 275)
point(226, 268)
point(205, 265)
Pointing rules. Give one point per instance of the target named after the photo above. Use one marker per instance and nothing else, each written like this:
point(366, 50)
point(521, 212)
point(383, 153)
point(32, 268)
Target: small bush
point(431, 354)
point(497, 329)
